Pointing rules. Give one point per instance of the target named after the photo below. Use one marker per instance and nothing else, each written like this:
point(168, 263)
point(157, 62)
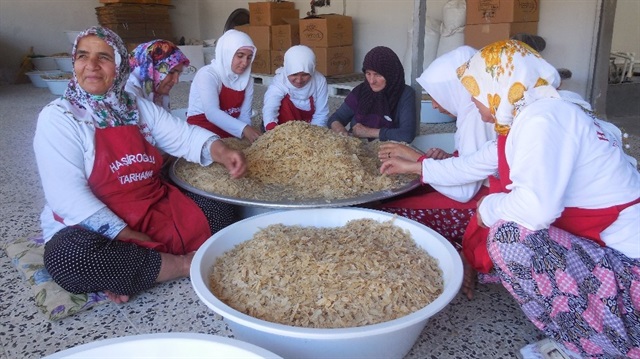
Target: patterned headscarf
point(384, 61)
point(506, 76)
point(115, 107)
point(226, 47)
point(151, 62)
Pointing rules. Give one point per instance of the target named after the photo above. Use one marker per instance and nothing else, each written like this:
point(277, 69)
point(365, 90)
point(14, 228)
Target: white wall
point(626, 28)
point(567, 26)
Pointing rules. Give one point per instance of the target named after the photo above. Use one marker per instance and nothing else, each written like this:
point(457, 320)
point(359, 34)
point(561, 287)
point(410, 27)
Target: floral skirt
point(584, 296)
point(446, 216)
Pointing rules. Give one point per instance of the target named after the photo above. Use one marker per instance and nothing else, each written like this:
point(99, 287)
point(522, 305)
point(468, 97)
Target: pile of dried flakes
point(365, 272)
point(297, 161)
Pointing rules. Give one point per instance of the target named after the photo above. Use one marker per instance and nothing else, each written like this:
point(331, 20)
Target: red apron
point(125, 177)
point(230, 102)
point(289, 111)
point(585, 223)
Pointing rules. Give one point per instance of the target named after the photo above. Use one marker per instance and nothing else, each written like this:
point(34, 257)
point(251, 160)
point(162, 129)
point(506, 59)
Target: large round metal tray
point(311, 203)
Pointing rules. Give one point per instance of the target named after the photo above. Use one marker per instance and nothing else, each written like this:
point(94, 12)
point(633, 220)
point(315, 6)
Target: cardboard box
point(271, 13)
point(501, 11)
point(261, 35)
point(334, 60)
point(478, 36)
point(285, 36)
point(261, 62)
point(326, 31)
point(277, 59)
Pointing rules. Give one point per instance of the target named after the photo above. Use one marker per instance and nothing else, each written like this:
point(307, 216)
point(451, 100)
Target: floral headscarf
point(151, 62)
point(226, 47)
point(506, 76)
point(116, 107)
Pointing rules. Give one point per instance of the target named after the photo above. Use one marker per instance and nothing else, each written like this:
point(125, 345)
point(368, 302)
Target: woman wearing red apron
point(221, 93)
point(563, 235)
point(446, 203)
point(297, 91)
point(111, 223)
point(383, 106)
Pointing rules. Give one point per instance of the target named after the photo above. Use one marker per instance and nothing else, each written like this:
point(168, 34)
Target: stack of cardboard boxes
point(276, 26)
point(494, 20)
point(273, 27)
point(137, 21)
point(331, 39)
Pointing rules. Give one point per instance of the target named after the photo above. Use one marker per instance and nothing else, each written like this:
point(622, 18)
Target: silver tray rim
point(311, 203)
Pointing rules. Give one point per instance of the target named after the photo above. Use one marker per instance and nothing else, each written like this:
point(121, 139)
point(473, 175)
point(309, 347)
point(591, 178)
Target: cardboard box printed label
point(501, 11)
point(326, 31)
point(261, 62)
point(334, 60)
point(277, 59)
point(285, 36)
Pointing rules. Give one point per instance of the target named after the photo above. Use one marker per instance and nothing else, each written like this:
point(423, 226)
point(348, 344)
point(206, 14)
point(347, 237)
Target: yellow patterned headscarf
point(506, 76)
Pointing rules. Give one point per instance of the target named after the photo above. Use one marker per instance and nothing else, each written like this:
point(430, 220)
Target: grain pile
point(365, 272)
point(297, 161)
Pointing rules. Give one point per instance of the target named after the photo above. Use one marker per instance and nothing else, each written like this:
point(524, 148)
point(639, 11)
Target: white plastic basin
point(389, 340)
point(45, 63)
point(430, 115)
point(64, 63)
point(444, 141)
point(57, 86)
point(166, 345)
point(36, 77)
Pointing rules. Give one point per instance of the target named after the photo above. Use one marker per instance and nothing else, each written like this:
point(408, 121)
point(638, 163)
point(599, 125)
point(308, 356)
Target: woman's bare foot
point(116, 298)
point(468, 279)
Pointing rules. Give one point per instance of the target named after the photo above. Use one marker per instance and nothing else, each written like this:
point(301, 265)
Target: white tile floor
point(490, 326)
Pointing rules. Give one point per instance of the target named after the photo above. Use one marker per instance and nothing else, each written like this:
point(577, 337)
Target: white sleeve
point(272, 102)
point(60, 156)
point(321, 101)
point(208, 87)
point(460, 178)
point(541, 155)
point(173, 135)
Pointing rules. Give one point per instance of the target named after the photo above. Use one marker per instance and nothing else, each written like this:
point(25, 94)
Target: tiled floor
point(490, 326)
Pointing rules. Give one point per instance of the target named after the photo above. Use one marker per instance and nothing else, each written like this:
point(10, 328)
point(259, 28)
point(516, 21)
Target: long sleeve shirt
point(204, 99)
point(560, 157)
point(64, 146)
point(404, 119)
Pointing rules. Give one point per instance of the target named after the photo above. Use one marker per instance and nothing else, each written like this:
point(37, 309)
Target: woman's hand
point(437, 154)
point(233, 160)
point(250, 133)
point(128, 233)
point(338, 128)
point(395, 165)
point(362, 131)
point(388, 150)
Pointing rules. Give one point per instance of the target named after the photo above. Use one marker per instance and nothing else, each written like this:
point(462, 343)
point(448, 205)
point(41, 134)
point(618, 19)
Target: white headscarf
point(226, 47)
point(298, 58)
point(441, 82)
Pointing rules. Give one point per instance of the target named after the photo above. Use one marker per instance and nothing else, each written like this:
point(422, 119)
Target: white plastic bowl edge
point(392, 339)
point(168, 346)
